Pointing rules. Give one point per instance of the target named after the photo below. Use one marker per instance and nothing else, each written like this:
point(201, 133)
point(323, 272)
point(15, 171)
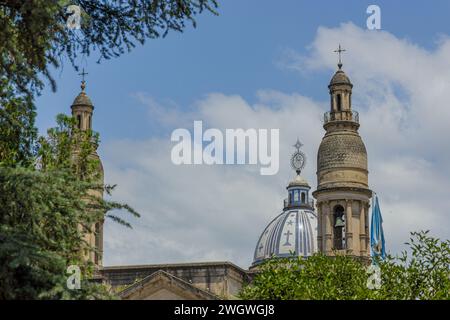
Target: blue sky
point(260, 64)
point(236, 52)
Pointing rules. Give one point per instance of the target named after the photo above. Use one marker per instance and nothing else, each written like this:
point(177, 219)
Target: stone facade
point(207, 280)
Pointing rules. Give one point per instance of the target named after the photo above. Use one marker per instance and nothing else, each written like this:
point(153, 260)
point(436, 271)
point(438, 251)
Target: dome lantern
point(298, 188)
point(340, 89)
point(82, 107)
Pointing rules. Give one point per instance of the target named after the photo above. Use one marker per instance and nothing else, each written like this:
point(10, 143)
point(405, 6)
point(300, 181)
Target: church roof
point(82, 100)
point(207, 272)
point(298, 181)
point(168, 266)
point(344, 150)
point(293, 231)
point(170, 285)
point(340, 78)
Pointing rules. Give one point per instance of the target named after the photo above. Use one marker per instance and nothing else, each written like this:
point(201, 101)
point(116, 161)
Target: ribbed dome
point(342, 150)
point(82, 100)
point(292, 231)
point(340, 78)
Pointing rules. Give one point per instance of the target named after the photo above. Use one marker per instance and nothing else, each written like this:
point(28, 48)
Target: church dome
point(340, 78)
point(343, 150)
point(292, 232)
point(82, 100)
point(298, 181)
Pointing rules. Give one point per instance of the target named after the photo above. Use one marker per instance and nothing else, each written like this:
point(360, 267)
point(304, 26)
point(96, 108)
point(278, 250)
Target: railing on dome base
point(341, 116)
point(298, 204)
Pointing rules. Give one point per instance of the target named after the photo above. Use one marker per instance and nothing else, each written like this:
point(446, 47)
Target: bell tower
point(342, 177)
point(82, 111)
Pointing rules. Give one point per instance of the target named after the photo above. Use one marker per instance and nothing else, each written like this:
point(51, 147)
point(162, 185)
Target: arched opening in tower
point(339, 226)
point(339, 102)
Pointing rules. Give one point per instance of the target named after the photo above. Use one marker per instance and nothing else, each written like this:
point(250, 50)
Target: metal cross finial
point(83, 82)
point(298, 145)
point(339, 51)
point(82, 74)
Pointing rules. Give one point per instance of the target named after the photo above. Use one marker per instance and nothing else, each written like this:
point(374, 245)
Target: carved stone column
point(367, 204)
point(362, 230)
point(328, 219)
point(348, 227)
point(319, 225)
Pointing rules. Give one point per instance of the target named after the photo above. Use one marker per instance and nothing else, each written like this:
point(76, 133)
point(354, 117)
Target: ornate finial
point(298, 145)
point(339, 51)
point(298, 159)
point(83, 82)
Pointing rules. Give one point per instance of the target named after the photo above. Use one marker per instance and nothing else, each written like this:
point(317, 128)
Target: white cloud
point(198, 213)
point(192, 213)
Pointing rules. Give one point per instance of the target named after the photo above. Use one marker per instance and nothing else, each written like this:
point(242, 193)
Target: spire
point(82, 112)
point(340, 89)
point(298, 159)
point(83, 82)
point(342, 192)
point(339, 78)
point(82, 99)
point(82, 107)
point(339, 51)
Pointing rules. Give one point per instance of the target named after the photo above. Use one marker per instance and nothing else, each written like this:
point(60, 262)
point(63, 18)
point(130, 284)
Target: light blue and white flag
point(377, 246)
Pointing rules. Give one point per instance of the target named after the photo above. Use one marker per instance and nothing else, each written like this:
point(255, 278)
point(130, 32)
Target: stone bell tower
point(342, 177)
point(82, 111)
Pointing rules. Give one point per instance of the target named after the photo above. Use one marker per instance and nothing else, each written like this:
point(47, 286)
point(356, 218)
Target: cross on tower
point(339, 52)
point(83, 82)
point(82, 74)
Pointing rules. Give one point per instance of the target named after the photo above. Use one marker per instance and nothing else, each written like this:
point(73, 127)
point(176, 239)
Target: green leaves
point(49, 186)
point(424, 273)
point(17, 131)
point(46, 213)
point(34, 36)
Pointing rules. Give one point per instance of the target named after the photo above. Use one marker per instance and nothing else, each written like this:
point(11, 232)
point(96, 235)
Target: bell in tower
point(342, 177)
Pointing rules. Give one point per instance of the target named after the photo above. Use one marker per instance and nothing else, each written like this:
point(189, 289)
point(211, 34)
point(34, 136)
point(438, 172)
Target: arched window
point(339, 102)
point(339, 228)
point(303, 197)
point(79, 121)
point(90, 122)
point(296, 196)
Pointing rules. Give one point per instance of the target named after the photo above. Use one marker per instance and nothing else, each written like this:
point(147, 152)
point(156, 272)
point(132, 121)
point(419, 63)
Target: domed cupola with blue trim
point(298, 189)
point(294, 231)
